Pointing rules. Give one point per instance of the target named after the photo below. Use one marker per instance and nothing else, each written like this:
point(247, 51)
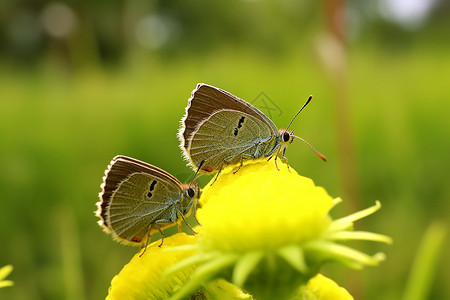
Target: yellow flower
point(268, 231)
point(142, 278)
point(322, 288)
point(4, 272)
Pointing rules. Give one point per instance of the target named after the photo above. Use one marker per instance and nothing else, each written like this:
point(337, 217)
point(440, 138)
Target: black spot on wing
point(152, 187)
point(240, 122)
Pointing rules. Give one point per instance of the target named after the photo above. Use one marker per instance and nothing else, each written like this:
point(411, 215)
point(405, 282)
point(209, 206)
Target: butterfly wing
point(226, 136)
point(218, 127)
point(134, 196)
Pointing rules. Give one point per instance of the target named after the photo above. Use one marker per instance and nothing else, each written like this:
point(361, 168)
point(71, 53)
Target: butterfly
point(220, 129)
point(138, 199)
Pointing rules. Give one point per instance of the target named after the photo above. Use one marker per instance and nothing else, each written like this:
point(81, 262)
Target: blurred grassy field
point(59, 130)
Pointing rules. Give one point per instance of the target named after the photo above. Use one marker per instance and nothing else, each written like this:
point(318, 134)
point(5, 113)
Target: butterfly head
point(286, 136)
point(190, 196)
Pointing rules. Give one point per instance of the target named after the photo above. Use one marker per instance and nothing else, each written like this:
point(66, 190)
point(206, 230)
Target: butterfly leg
point(215, 178)
point(276, 157)
point(243, 155)
point(242, 162)
point(195, 213)
point(195, 217)
point(147, 241)
point(285, 158)
point(187, 224)
point(162, 234)
point(275, 160)
point(276, 164)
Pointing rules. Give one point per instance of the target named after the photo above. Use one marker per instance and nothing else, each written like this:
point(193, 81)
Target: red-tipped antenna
point(323, 157)
point(307, 101)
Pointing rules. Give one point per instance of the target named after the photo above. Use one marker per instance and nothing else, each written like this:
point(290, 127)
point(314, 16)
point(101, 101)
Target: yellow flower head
point(260, 207)
point(269, 229)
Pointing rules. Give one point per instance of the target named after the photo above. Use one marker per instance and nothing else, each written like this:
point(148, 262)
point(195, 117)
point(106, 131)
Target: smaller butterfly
point(138, 199)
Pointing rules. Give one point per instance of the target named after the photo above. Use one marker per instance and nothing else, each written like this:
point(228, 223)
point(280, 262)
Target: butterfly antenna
point(196, 173)
point(307, 101)
point(323, 157)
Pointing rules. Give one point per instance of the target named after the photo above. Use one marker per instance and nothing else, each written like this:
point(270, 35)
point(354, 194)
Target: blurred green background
point(82, 81)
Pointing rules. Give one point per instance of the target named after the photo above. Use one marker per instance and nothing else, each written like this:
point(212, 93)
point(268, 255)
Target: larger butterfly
point(221, 129)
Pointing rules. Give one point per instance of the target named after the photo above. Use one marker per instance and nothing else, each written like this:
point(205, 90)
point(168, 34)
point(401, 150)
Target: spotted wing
point(225, 137)
point(206, 101)
point(134, 196)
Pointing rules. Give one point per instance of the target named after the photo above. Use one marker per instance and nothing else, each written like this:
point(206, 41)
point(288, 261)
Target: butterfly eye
point(285, 136)
point(191, 192)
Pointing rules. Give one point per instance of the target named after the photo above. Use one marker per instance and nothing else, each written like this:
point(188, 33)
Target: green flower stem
point(245, 266)
point(275, 278)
